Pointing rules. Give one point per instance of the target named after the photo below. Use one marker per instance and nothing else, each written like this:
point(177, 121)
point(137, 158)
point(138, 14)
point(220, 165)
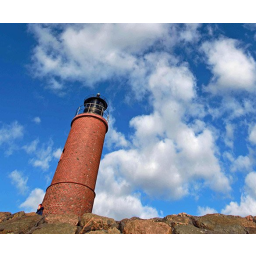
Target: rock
point(224, 224)
point(187, 229)
point(122, 222)
point(249, 217)
point(56, 228)
point(109, 231)
point(92, 222)
point(4, 216)
point(250, 230)
point(146, 227)
point(31, 214)
point(18, 215)
point(21, 225)
point(173, 220)
point(31, 223)
point(71, 219)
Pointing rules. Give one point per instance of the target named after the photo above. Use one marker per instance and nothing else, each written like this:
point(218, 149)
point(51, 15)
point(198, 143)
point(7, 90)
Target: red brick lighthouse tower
point(73, 184)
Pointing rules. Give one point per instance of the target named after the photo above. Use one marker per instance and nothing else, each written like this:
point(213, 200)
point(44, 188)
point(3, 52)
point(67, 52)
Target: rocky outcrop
point(31, 223)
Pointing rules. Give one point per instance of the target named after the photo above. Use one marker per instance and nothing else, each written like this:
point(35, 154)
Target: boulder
point(71, 219)
point(4, 216)
point(175, 219)
point(146, 227)
point(31, 214)
point(18, 215)
point(224, 224)
point(188, 229)
point(109, 231)
point(21, 225)
point(56, 228)
point(92, 222)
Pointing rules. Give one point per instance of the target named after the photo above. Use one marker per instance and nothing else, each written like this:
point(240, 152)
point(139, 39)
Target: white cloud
point(229, 136)
point(43, 154)
point(31, 148)
point(37, 120)
point(120, 207)
point(242, 163)
point(57, 153)
point(232, 108)
point(232, 67)
point(166, 156)
point(34, 199)
point(114, 138)
point(9, 133)
point(114, 196)
point(247, 205)
point(205, 210)
point(250, 182)
point(190, 32)
point(252, 135)
point(92, 52)
point(19, 181)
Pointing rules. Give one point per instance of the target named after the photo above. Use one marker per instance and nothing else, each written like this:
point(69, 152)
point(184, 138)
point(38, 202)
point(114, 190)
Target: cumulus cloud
point(31, 147)
point(37, 120)
point(242, 163)
point(231, 108)
point(229, 136)
point(42, 154)
point(250, 184)
point(166, 155)
point(247, 205)
point(205, 210)
point(91, 53)
point(20, 182)
point(119, 207)
point(190, 32)
point(252, 135)
point(233, 68)
point(9, 134)
point(57, 153)
point(35, 198)
point(114, 138)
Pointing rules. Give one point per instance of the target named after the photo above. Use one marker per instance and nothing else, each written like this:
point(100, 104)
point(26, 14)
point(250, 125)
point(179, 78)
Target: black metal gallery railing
point(94, 109)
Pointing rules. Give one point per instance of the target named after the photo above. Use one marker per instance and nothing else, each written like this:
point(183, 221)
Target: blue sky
point(182, 129)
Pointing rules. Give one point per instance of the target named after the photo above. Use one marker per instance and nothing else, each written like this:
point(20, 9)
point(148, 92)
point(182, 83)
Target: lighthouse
point(72, 188)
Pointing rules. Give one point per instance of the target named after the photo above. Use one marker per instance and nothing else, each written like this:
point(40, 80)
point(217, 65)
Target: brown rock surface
point(31, 223)
point(56, 228)
point(146, 227)
point(187, 229)
point(18, 215)
point(19, 225)
point(92, 222)
point(71, 219)
point(109, 231)
point(224, 224)
point(4, 216)
point(173, 220)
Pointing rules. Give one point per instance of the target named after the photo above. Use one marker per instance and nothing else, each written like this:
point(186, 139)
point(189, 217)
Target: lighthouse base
point(68, 198)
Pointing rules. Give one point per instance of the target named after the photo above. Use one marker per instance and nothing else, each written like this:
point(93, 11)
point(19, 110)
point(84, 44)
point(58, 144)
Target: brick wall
point(73, 184)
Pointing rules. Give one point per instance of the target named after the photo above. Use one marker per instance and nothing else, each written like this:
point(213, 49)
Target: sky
point(182, 127)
